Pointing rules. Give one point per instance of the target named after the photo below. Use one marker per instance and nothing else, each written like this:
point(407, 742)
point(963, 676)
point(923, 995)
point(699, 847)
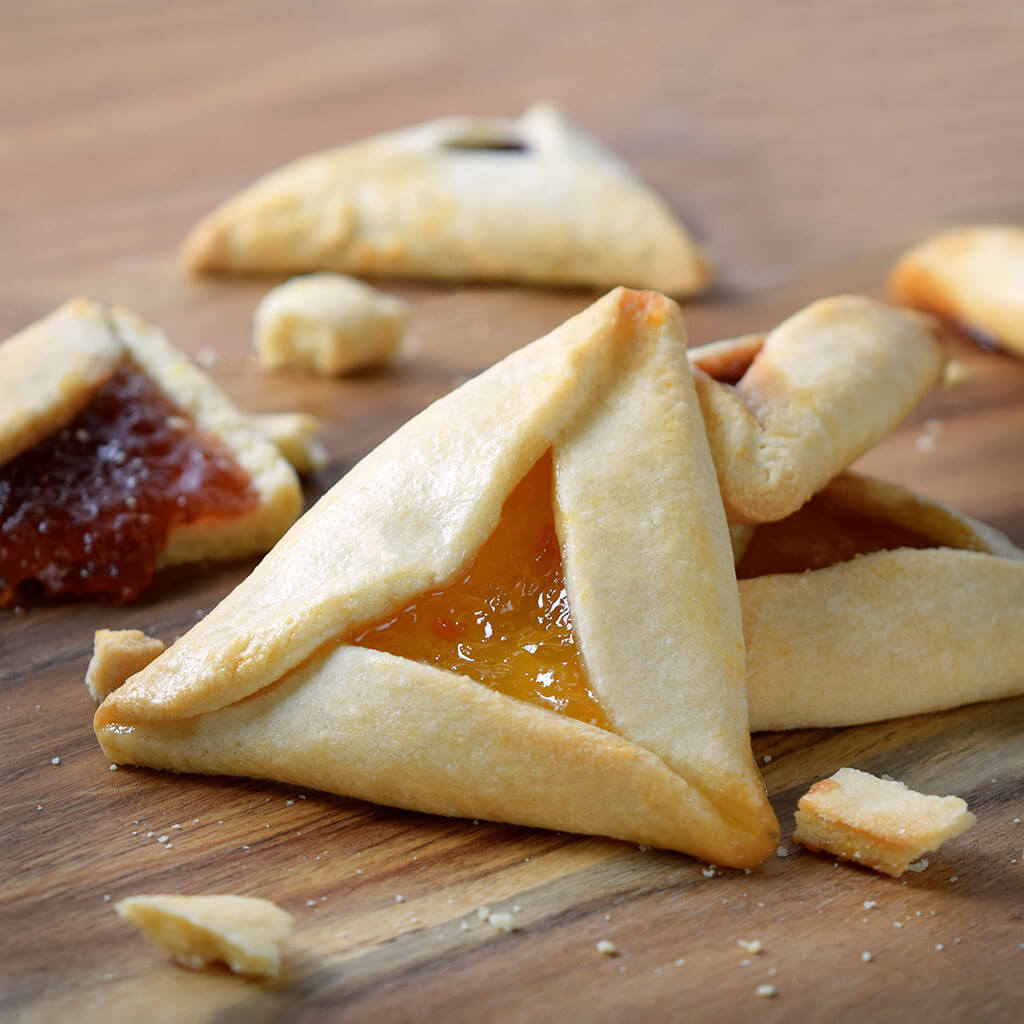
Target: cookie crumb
point(767, 991)
point(752, 946)
point(866, 957)
point(607, 948)
point(503, 921)
point(54, 760)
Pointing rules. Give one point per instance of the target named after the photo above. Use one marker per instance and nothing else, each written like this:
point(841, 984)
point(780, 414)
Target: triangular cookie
point(118, 456)
point(531, 199)
point(787, 411)
point(872, 602)
point(583, 455)
point(973, 276)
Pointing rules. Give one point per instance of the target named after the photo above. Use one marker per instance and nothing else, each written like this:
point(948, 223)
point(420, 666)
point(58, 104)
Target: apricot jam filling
point(87, 512)
point(820, 534)
point(505, 621)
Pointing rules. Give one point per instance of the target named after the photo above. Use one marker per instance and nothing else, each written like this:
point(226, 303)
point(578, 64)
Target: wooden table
point(131, 122)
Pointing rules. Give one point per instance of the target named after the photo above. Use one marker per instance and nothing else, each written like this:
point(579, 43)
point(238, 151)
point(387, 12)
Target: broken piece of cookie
point(243, 932)
point(328, 324)
point(878, 823)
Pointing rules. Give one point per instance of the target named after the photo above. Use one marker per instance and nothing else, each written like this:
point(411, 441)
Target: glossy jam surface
point(505, 621)
point(819, 535)
point(86, 512)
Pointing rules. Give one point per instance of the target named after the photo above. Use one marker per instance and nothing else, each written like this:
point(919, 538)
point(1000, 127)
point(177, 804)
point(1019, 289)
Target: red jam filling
point(87, 512)
point(505, 621)
point(821, 534)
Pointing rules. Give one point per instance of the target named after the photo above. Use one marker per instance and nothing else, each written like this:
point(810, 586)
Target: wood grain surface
point(789, 143)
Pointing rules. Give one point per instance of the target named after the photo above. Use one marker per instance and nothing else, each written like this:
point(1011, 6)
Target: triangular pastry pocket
point(973, 276)
point(872, 602)
point(787, 411)
point(118, 456)
point(531, 199)
point(521, 606)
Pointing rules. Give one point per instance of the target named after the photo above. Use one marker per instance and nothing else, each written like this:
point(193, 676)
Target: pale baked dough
point(890, 633)
point(294, 435)
point(455, 199)
point(328, 323)
point(263, 687)
point(972, 275)
point(49, 371)
point(878, 823)
point(812, 395)
point(116, 655)
point(242, 932)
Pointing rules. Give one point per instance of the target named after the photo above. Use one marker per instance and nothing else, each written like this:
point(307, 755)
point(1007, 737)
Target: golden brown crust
point(878, 823)
point(262, 685)
point(449, 199)
point(973, 276)
point(52, 369)
point(819, 390)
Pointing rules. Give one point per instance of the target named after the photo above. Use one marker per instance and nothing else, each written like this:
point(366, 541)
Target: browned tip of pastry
point(205, 247)
point(637, 306)
point(915, 285)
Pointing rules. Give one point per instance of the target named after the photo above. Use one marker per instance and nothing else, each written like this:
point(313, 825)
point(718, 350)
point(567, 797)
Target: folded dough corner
point(288, 679)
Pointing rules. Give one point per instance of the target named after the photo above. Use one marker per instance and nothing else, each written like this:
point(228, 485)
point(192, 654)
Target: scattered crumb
point(680, 962)
point(208, 357)
point(782, 852)
point(920, 865)
point(925, 441)
point(767, 758)
point(939, 947)
point(606, 948)
point(113, 767)
point(504, 922)
point(869, 904)
point(767, 991)
point(954, 878)
point(955, 374)
point(752, 946)
point(399, 898)
point(54, 760)
point(709, 871)
point(866, 957)
point(162, 839)
point(483, 913)
point(106, 897)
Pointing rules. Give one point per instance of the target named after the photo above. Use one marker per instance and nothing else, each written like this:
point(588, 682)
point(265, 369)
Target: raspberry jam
point(821, 534)
point(505, 621)
point(87, 512)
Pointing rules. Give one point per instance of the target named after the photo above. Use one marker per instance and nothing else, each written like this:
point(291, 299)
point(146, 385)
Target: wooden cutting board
point(386, 901)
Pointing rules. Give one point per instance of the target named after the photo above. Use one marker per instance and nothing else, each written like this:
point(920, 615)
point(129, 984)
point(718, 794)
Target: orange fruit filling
point(505, 621)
